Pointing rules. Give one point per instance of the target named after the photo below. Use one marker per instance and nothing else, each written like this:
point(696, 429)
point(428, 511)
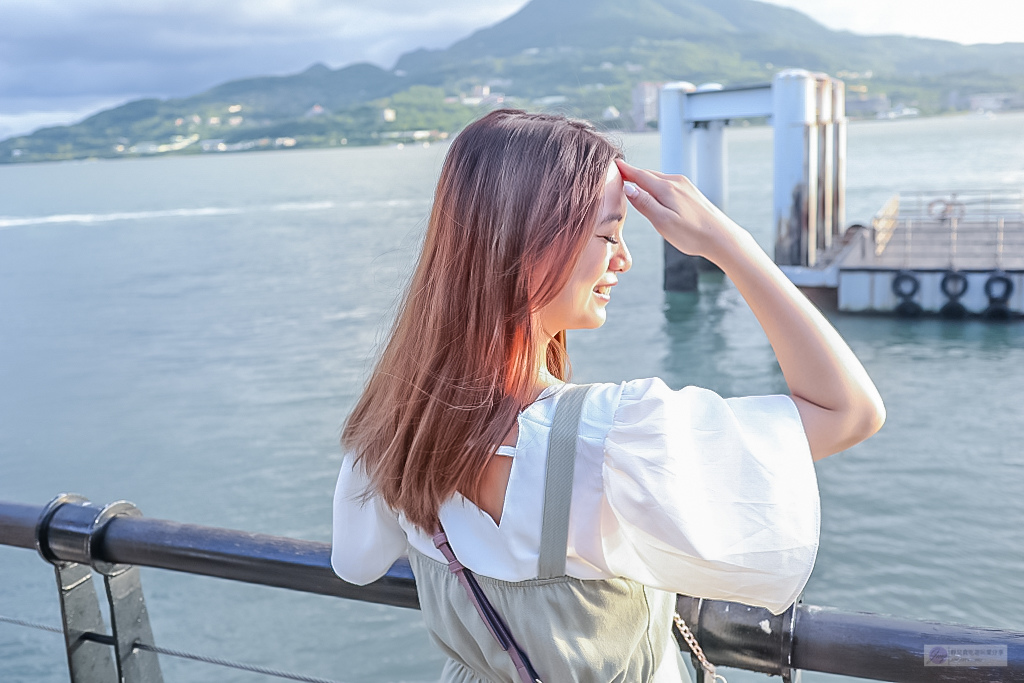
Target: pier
point(947, 252)
point(952, 253)
point(79, 539)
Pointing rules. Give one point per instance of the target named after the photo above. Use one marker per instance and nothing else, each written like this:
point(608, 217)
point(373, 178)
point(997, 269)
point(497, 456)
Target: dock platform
point(953, 253)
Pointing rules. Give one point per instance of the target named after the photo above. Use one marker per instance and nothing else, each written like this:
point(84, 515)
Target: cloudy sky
point(63, 59)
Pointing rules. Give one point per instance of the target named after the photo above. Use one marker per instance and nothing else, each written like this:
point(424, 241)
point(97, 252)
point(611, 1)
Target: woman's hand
point(678, 211)
point(839, 405)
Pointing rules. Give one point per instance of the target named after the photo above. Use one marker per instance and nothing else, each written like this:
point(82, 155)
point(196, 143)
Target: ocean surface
point(189, 333)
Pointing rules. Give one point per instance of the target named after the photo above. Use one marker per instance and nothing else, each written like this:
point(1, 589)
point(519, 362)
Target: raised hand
point(838, 403)
point(678, 211)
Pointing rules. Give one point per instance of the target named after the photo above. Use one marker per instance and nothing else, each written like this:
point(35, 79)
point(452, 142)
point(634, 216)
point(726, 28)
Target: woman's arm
point(839, 405)
point(367, 537)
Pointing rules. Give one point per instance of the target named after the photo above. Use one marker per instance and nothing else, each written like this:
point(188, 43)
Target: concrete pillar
point(677, 156)
point(709, 155)
point(826, 154)
point(795, 167)
point(712, 162)
point(676, 145)
point(839, 157)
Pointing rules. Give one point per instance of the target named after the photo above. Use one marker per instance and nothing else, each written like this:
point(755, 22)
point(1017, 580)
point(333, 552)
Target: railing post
point(88, 660)
point(71, 528)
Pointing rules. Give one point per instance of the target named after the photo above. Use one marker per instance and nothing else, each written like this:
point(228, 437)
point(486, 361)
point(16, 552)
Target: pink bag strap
point(491, 618)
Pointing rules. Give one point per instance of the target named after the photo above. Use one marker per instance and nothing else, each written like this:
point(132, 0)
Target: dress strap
point(558, 478)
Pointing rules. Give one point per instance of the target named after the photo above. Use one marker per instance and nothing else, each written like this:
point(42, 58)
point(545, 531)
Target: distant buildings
point(645, 105)
point(865, 106)
point(482, 95)
point(999, 101)
point(179, 143)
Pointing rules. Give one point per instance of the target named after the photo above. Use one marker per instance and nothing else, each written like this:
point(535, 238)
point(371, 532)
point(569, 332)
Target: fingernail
point(630, 190)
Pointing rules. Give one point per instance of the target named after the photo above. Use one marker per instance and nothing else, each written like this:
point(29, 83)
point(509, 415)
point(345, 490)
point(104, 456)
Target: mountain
point(284, 96)
point(602, 24)
point(582, 56)
point(751, 31)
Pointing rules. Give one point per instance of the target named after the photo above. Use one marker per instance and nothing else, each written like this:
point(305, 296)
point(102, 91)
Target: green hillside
point(579, 57)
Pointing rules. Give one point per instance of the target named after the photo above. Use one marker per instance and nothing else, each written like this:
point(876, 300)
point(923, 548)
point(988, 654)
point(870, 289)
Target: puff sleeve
point(367, 537)
point(710, 497)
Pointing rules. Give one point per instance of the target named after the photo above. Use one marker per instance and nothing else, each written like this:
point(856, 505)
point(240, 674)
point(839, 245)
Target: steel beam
point(730, 103)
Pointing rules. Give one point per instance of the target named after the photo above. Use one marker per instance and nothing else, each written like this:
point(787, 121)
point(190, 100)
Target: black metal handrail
point(77, 536)
point(210, 551)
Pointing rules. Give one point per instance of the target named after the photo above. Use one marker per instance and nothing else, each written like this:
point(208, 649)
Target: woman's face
point(581, 303)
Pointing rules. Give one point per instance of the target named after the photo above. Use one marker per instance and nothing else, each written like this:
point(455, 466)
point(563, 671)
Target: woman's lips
point(603, 292)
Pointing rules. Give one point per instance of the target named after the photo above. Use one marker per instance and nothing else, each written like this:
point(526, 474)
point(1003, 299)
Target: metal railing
point(77, 537)
point(976, 204)
point(959, 230)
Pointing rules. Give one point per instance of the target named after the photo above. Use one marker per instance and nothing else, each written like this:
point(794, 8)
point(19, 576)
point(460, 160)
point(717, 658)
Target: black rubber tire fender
point(954, 284)
point(908, 278)
point(990, 288)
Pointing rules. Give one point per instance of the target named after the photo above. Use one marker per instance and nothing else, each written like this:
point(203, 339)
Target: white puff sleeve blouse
point(680, 490)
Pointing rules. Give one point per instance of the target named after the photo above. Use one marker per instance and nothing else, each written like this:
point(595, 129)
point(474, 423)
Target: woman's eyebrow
point(611, 218)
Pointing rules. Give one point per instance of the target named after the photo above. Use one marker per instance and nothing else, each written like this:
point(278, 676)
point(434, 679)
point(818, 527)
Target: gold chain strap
point(697, 650)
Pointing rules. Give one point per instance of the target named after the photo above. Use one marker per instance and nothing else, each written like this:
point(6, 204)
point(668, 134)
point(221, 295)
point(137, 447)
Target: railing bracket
point(71, 527)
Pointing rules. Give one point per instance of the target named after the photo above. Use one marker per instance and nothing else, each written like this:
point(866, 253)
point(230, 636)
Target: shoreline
point(415, 139)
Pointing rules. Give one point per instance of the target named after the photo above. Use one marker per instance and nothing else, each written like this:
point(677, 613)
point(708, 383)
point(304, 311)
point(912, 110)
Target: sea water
point(188, 333)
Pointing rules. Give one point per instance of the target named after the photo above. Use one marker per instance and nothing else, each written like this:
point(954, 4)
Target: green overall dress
point(573, 630)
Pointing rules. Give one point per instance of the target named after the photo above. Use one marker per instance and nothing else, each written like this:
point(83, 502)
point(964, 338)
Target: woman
point(671, 491)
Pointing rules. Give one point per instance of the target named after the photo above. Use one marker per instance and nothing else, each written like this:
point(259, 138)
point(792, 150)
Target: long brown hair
point(515, 204)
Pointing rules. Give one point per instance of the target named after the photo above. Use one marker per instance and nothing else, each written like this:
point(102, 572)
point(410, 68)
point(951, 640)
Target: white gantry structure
point(952, 253)
point(808, 116)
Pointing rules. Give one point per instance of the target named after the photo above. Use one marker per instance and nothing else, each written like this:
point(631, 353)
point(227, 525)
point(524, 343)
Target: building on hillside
point(998, 101)
point(867, 107)
point(645, 105)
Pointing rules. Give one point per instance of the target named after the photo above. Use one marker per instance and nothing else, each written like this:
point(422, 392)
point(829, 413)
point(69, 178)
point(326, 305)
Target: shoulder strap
point(561, 464)
point(495, 624)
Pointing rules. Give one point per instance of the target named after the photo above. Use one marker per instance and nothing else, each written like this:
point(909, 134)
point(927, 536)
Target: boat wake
point(7, 222)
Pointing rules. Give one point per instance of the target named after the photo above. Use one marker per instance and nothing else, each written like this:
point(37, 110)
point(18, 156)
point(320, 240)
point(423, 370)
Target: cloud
point(984, 21)
point(59, 51)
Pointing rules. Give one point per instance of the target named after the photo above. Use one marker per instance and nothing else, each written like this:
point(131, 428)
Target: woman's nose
point(622, 260)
